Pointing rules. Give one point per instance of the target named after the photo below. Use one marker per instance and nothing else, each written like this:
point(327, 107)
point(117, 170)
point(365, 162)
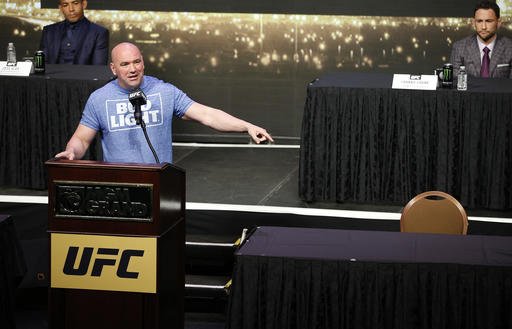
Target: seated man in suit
point(485, 54)
point(75, 40)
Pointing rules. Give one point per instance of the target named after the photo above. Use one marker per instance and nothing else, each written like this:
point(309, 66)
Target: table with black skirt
point(364, 142)
point(38, 115)
point(12, 270)
point(305, 278)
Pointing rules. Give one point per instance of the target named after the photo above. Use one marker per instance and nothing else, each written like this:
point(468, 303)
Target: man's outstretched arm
point(222, 121)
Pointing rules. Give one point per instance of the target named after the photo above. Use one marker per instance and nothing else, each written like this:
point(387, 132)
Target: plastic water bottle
point(11, 54)
point(462, 79)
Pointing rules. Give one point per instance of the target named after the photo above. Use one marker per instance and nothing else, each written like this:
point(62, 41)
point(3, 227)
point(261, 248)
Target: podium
point(117, 243)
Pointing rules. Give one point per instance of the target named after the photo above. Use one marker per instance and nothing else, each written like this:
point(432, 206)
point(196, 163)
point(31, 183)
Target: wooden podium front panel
point(72, 308)
point(98, 309)
point(82, 309)
point(165, 182)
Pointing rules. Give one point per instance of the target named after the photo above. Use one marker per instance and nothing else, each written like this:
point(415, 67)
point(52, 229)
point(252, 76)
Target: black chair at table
point(434, 212)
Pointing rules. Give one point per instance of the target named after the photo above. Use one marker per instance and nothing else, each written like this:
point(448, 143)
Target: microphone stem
point(137, 114)
point(143, 126)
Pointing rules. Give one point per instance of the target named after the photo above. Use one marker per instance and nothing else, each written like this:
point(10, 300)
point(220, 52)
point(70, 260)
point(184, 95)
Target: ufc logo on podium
point(100, 262)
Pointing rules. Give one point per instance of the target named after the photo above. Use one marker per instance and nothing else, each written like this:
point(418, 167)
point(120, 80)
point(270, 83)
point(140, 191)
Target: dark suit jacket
point(93, 44)
point(466, 52)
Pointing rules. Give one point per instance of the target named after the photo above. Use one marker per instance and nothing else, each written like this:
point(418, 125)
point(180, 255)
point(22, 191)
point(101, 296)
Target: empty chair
point(434, 212)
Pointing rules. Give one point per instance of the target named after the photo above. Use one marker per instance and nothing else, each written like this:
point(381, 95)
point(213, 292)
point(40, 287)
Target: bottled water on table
point(11, 54)
point(462, 79)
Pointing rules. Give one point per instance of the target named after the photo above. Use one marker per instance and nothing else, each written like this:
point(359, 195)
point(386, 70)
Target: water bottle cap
point(462, 67)
point(11, 44)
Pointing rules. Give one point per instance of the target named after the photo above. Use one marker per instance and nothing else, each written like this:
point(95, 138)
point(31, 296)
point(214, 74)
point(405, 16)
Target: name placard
point(20, 69)
point(414, 81)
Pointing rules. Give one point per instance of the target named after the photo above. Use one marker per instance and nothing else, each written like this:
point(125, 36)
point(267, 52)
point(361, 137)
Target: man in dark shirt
point(75, 40)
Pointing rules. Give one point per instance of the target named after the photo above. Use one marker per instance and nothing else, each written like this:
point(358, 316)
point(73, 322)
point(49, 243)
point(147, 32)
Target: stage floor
point(231, 187)
point(242, 175)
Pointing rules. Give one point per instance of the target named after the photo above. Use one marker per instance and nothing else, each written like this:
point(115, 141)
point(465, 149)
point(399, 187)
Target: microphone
point(137, 99)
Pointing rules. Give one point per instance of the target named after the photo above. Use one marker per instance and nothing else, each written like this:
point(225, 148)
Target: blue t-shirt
point(109, 111)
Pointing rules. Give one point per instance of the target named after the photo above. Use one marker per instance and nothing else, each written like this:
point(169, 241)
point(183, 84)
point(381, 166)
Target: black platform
point(229, 188)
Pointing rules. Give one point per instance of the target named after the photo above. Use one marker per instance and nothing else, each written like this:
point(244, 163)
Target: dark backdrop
point(432, 8)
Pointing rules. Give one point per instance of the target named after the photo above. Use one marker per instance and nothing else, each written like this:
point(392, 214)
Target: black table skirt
point(38, 115)
point(270, 292)
point(377, 144)
point(12, 270)
point(302, 278)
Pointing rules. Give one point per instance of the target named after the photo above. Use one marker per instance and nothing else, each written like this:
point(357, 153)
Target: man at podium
point(109, 111)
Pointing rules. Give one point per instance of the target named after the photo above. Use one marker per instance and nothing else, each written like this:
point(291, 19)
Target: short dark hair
point(488, 5)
